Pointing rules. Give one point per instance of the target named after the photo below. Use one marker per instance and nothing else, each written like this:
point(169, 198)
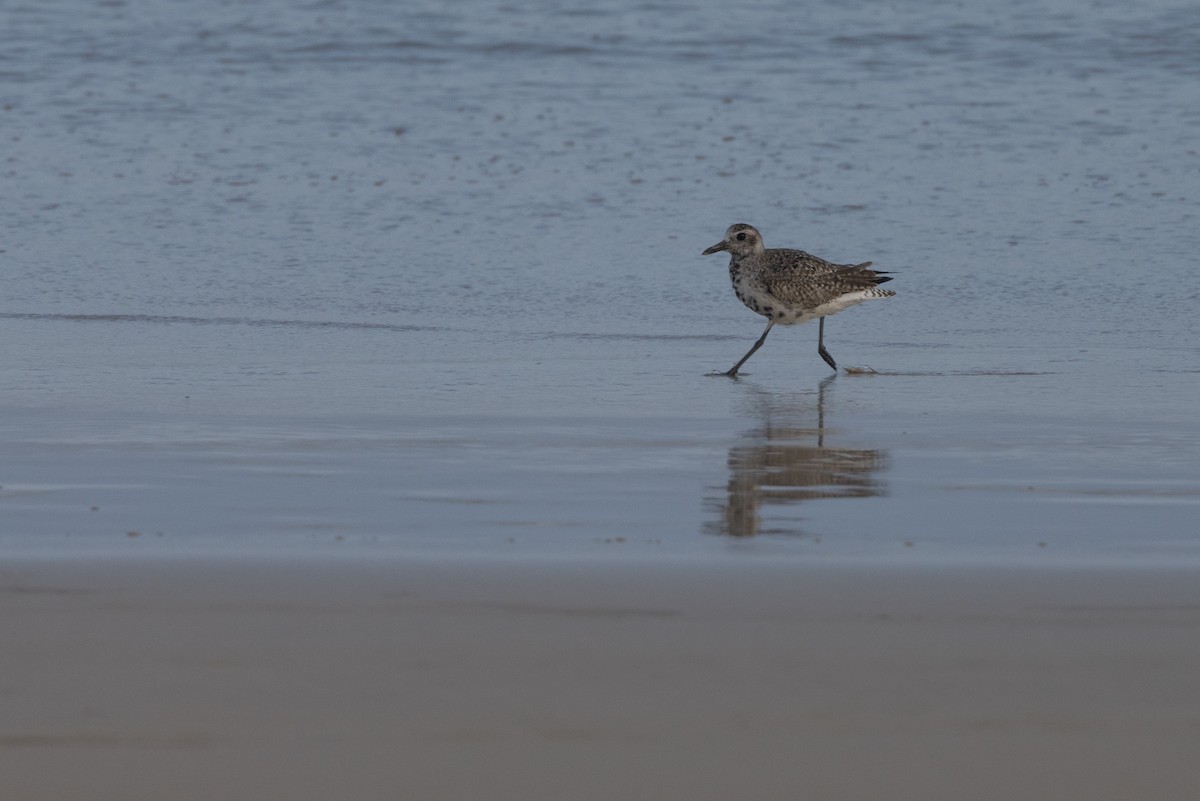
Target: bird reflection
point(784, 462)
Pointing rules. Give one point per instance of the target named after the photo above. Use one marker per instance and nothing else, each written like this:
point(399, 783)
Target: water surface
point(332, 275)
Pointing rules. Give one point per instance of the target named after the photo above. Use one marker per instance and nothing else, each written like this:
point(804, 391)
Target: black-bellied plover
point(790, 286)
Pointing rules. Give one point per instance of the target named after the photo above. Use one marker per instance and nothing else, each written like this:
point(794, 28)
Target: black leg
point(733, 371)
point(821, 346)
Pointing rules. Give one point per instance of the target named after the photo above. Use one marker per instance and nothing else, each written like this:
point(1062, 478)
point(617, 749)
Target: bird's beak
point(722, 245)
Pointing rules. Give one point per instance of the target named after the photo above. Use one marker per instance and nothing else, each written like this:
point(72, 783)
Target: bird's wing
point(798, 279)
point(805, 281)
point(791, 264)
point(801, 279)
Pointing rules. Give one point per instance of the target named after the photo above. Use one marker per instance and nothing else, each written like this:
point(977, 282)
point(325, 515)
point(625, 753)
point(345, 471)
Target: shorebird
point(790, 286)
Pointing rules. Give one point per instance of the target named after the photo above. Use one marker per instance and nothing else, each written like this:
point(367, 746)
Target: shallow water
point(333, 275)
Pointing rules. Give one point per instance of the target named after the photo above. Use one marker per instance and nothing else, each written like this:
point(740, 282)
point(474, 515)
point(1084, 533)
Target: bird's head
point(740, 240)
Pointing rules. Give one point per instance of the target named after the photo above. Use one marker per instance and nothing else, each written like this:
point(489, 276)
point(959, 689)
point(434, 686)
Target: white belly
point(841, 302)
point(769, 307)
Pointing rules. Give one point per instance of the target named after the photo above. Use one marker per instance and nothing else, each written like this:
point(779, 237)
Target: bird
point(790, 286)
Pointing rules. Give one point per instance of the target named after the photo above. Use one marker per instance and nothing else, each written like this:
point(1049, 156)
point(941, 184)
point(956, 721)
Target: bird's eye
point(741, 237)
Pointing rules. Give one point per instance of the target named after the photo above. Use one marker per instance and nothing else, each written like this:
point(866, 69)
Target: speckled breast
point(754, 295)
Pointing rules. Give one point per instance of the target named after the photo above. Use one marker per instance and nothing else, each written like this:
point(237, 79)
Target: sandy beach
point(359, 437)
point(595, 679)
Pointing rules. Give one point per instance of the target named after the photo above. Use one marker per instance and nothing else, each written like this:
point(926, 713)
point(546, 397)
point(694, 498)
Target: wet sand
point(595, 678)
